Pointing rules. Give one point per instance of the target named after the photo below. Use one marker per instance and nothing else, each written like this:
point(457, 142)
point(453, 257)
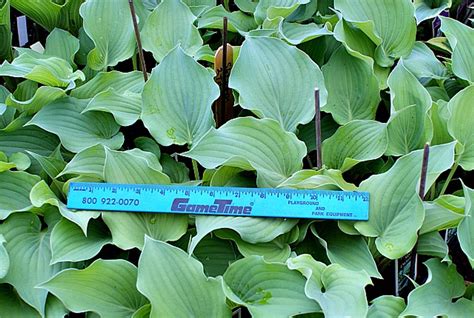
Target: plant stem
point(450, 177)
point(317, 122)
point(139, 41)
point(196, 170)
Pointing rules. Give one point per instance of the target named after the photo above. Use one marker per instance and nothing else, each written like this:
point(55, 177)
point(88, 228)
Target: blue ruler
point(256, 202)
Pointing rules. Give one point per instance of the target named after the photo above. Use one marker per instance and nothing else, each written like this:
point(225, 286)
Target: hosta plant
point(77, 105)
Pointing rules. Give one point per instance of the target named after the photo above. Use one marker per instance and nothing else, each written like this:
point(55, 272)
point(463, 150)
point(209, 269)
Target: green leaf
point(295, 33)
point(267, 289)
point(432, 244)
point(41, 194)
point(169, 25)
point(29, 249)
point(357, 141)
point(460, 37)
point(76, 130)
point(28, 138)
point(386, 306)
point(466, 226)
point(68, 242)
point(439, 117)
point(237, 20)
point(323, 179)
point(109, 25)
point(442, 213)
point(435, 297)
point(49, 13)
point(276, 250)
point(148, 145)
point(5, 31)
point(176, 285)
point(52, 165)
point(106, 287)
point(62, 44)
point(125, 107)
point(396, 211)
point(389, 24)
point(15, 187)
point(251, 230)
point(20, 160)
point(277, 80)
point(177, 171)
point(88, 162)
point(44, 69)
point(409, 127)
point(353, 89)
point(10, 302)
point(231, 177)
point(251, 144)
point(428, 9)
point(4, 258)
point(121, 82)
point(272, 9)
point(460, 126)
point(129, 229)
point(339, 292)
point(349, 251)
point(179, 75)
point(423, 63)
point(42, 96)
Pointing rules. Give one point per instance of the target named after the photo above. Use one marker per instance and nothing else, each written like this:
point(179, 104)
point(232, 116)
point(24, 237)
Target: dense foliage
point(392, 76)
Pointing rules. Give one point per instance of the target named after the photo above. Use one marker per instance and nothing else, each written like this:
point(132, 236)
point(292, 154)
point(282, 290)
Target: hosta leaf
point(49, 13)
point(251, 144)
point(62, 44)
point(29, 249)
point(215, 255)
point(339, 292)
point(296, 33)
point(428, 9)
point(179, 75)
point(15, 187)
point(466, 226)
point(353, 89)
point(29, 138)
point(177, 171)
point(52, 164)
point(349, 251)
point(125, 107)
point(237, 20)
point(109, 25)
point(274, 251)
point(129, 229)
point(460, 125)
point(176, 285)
point(20, 160)
point(41, 194)
point(276, 8)
point(88, 162)
point(68, 242)
point(386, 306)
point(423, 63)
point(120, 82)
point(389, 24)
point(435, 297)
point(432, 244)
point(42, 96)
point(149, 145)
point(78, 131)
point(267, 289)
point(10, 302)
point(442, 213)
point(307, 132)
point(46, 70)
point(106, 287)
point(324, 179)
point(4, 258)
point(396, 211)
point(277, 80)
point(409, 127)
point(5, 31)
point(231, 177)
point(439, 114)
point(460, 37)
point(357, 141)
point(251, 230)
point(169, 25)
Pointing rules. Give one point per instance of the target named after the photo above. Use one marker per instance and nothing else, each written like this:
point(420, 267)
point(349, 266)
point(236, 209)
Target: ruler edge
point(189, 187)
